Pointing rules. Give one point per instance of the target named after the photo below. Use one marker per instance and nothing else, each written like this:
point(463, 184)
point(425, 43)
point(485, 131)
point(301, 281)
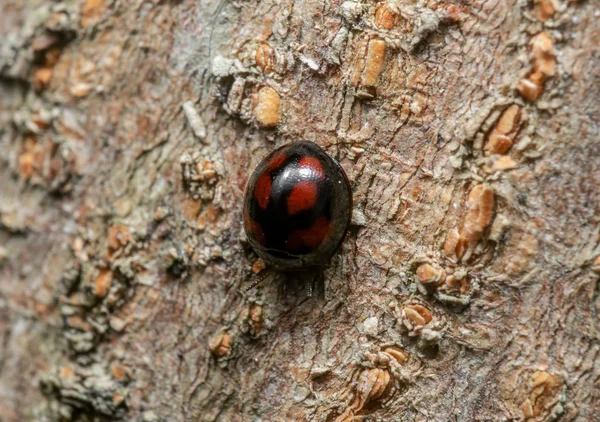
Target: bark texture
point(466, 290)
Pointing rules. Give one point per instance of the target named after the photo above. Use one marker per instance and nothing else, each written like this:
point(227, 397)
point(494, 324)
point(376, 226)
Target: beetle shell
point(297, 207)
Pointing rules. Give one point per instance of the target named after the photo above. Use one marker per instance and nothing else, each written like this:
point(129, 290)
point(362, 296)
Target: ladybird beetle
point(297, 207)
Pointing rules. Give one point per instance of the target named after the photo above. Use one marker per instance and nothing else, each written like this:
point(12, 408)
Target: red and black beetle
point(297, 207)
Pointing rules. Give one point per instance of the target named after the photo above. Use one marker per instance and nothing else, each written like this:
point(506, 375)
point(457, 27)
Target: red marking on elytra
point(254, 228)
point(302, 197)
point(276, 161)
point(315, 235)
point(314, 164)
point(258, 233)
point(294, 241)
point(262, 190)
point(311, 237)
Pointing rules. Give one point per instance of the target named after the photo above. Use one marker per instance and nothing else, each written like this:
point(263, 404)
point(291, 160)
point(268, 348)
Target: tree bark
point(467, 286)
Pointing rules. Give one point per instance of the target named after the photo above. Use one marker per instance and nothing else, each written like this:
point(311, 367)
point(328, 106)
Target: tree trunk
point(466, 288)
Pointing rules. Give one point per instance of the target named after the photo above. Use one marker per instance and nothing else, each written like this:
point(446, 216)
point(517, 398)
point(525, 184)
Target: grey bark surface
point(467, 287)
